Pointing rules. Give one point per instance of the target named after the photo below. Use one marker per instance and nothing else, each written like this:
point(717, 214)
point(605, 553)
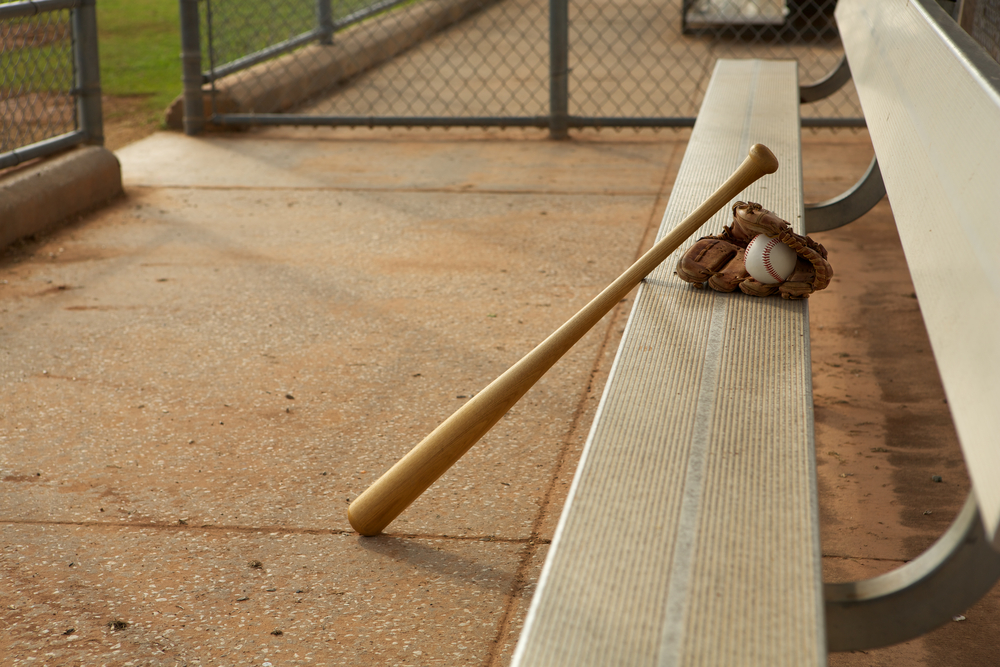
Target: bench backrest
point(931, 98)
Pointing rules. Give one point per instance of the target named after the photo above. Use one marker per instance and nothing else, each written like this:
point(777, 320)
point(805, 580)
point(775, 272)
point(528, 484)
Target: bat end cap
point(361, 526)
point(764, 158)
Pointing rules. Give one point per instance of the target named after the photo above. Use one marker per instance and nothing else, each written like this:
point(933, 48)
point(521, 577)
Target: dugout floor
point(199, 378)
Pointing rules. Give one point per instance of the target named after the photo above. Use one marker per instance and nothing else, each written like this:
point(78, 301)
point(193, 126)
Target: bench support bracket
point(848, 206)
point(924, 594)
point(828, 85)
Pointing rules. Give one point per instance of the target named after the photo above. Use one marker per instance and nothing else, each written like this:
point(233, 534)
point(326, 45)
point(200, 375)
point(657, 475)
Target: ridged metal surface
point(932, 99)
point(691, 535)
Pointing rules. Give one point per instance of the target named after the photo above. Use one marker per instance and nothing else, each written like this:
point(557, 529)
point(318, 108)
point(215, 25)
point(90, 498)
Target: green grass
point(140, 45)
point(37, 69)
point(244, 27)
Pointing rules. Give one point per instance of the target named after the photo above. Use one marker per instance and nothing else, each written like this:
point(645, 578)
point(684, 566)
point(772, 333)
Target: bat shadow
point(489, 565)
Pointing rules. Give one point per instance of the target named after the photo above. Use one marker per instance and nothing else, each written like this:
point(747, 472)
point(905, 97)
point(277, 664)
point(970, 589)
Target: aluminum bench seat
point(690, 535)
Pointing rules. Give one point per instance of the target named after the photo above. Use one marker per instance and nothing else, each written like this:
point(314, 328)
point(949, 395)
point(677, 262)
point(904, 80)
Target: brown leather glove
point(718, 260)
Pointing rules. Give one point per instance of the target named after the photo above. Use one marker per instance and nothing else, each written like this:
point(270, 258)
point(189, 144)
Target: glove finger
point(704, 258)
point(754, 287)
point(805, 273)
point(800, 283)
point(802, 273)
point(791, 290)
point(731, 275)
point(757, 220)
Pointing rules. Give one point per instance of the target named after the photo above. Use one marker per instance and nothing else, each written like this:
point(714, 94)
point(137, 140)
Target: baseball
point(769, 260)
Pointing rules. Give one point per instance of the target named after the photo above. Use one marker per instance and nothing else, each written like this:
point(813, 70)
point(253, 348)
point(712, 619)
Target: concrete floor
point(199, 378)
point(202, 375)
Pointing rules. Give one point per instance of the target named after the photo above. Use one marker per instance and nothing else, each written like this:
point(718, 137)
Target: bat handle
point(399, 486)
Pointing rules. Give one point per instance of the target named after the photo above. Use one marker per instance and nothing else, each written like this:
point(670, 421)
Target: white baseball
point(769, 260)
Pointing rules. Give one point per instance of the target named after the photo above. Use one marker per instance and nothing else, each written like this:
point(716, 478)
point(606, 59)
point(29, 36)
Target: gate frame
point(87, 79)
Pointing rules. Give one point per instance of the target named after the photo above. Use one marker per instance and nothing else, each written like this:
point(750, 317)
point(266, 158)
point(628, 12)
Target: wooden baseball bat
point(391, 493)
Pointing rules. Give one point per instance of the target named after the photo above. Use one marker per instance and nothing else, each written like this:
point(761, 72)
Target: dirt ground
point(127, 120)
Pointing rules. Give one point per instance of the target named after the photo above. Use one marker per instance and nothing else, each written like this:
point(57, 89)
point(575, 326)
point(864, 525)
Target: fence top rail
point(32, 7)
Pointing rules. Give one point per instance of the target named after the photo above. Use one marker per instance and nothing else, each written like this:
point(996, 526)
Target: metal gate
point(538, 63)
point(50, 85)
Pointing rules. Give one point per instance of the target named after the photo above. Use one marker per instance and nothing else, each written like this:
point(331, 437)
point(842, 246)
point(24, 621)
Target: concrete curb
point(280, 84)
point(42, 196)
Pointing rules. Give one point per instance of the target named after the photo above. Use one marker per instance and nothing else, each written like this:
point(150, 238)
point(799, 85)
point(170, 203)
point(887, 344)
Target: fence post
point(194, 101)
point(88, 72)
point(559, 68)
point(324, 20)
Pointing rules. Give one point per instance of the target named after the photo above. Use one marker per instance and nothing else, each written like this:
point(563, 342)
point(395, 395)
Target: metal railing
point(50, 85)
point(529, 63)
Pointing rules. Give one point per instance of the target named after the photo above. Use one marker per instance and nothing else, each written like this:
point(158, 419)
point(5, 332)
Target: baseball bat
point(399, 486)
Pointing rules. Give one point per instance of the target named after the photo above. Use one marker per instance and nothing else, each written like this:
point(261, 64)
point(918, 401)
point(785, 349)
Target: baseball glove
point(718, 260)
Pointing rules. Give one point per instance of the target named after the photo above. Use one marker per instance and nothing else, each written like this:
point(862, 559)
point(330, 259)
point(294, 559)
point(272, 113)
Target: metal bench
point(690, 535)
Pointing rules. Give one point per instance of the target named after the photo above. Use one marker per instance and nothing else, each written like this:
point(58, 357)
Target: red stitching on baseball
point(767, 260)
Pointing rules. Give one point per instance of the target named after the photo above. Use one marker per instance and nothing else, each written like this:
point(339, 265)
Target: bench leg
point(925, 593)
point(828, 85)
point(848, 206)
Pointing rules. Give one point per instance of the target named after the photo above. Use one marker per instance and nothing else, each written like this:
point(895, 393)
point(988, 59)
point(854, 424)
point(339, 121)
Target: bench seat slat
point(691, 534)
point(939, 160)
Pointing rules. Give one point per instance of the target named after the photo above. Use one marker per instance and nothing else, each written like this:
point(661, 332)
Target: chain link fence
point(49, 78)
point(544, 63)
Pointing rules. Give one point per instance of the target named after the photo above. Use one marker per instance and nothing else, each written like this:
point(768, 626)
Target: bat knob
point(764, 158)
